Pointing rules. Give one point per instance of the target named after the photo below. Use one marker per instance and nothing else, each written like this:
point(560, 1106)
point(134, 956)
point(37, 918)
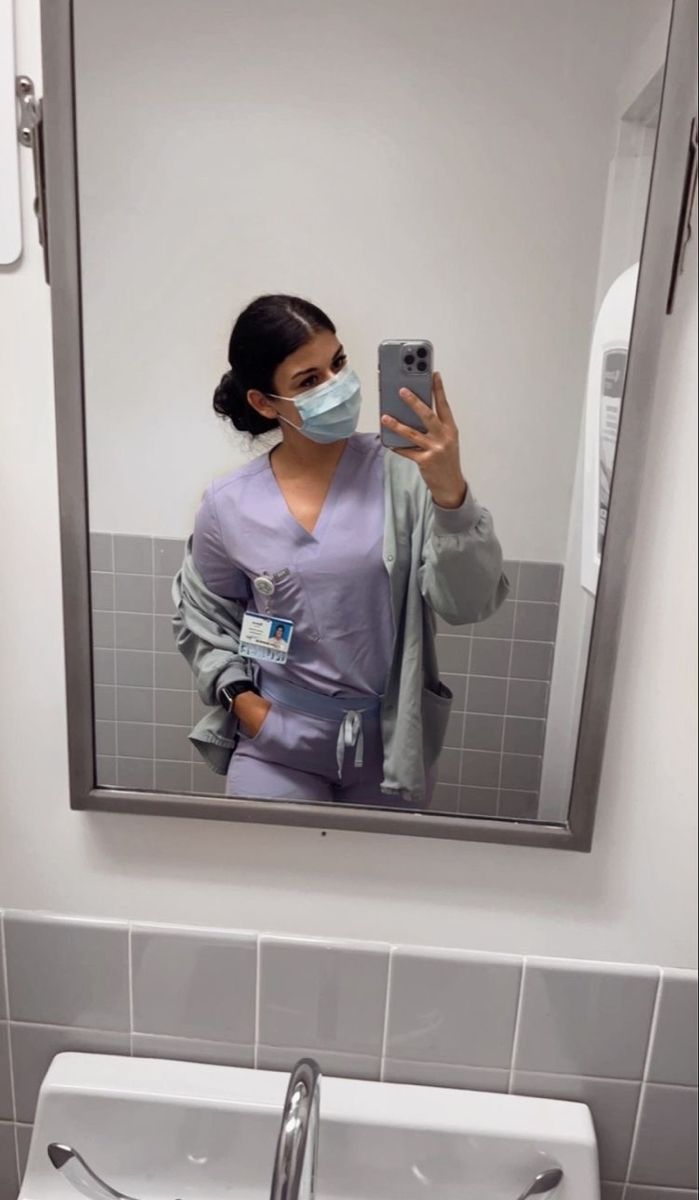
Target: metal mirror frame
point(657, 276)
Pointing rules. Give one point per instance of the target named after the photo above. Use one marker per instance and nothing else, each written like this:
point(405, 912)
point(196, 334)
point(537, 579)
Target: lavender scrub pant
point(293, 756)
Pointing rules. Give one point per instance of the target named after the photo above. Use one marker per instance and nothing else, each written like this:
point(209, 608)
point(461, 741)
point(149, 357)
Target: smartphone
point(403, 364)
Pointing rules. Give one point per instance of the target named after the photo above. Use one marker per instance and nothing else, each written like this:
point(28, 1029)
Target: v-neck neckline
point(326, 507)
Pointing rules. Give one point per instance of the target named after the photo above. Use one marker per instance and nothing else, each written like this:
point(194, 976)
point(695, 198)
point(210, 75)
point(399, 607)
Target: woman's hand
point(436, 451)
point(251, 710)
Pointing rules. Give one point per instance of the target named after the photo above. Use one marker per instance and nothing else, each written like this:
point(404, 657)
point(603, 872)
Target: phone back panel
point(403, 364)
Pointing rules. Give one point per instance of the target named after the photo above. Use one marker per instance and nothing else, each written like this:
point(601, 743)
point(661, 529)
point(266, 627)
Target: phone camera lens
point(409, 360)
point(422, 365)
point(422, 353)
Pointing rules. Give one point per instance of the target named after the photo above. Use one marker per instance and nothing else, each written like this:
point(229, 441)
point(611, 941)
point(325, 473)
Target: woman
point(352, 548)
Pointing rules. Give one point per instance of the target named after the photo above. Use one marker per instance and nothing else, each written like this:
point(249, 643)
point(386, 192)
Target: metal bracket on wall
point(684, 228)
point(30, 133)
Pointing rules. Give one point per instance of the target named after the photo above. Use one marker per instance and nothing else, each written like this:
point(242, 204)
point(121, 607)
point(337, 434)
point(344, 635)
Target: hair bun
point(230, 400)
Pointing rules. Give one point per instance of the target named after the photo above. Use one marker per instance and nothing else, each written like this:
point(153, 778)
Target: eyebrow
point(308, 370)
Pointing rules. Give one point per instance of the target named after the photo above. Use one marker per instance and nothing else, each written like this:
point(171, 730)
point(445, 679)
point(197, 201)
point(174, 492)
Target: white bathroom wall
point(404, 170)
point(631, 899)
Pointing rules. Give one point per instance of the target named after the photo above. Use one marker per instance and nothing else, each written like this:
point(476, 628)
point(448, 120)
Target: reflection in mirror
point(355, 594)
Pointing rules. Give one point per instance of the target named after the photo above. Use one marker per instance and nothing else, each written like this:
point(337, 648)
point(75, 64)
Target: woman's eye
point(308, 383)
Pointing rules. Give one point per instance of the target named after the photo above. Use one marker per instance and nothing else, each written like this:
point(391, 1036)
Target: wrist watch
point(229, 693)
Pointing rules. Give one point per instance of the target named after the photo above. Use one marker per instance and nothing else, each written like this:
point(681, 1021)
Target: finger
point(404, 452)
point(415, 436)
point(441, 403)
point(423, 411)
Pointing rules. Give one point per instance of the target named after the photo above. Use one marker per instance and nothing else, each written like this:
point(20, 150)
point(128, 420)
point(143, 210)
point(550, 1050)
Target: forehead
point(319, 351)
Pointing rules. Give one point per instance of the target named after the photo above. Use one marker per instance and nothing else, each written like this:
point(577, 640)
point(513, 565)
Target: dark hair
point(266, 332)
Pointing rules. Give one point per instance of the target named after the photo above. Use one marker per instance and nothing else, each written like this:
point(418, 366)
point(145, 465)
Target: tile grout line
point(258, 992)
point(516, 1032)
point(644, 1079)
point(384, 1035)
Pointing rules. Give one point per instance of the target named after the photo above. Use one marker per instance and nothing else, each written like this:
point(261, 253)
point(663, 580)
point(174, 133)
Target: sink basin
point(160, 1130)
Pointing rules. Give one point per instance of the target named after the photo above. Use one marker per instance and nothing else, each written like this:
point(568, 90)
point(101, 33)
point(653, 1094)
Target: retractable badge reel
point(263, 636)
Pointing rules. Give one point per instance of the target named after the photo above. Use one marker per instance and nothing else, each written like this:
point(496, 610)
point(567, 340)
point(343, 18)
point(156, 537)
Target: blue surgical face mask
point(329, 412)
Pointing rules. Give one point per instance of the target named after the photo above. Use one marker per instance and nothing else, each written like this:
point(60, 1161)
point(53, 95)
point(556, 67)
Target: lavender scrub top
point(331, 583)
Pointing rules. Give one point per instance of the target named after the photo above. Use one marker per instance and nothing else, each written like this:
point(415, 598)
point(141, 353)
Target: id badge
point(265, 638)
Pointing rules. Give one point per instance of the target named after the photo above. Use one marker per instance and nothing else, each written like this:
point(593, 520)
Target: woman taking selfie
point(350, 549)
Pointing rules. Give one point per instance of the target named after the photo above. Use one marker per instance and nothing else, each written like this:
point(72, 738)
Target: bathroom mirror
point(471, 176)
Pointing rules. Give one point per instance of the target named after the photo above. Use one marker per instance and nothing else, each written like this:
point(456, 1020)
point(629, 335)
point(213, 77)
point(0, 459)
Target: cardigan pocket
point(436, 707)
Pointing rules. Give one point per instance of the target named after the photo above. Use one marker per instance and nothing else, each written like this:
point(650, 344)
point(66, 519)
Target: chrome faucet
point(296, 1159)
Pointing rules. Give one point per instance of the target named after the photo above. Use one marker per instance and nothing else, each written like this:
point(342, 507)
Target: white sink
point(160, 1130)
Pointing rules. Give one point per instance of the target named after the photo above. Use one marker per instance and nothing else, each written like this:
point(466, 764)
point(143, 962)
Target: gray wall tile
point(452, 1008)
point(194, 984)
point(225, 1054)
point(103, 630)
point(137, 774)
point(164, 634)
point(478, 802)
point(445, 798)
point(674, 1052)
point(455, 731)
point(162, 596)
point(483, 732)
point(520, 772)
point(613, 1105)
point(172, 743)
point(67, 972)
point(536, 622)
point(172, 672)
point(35, 1046)
point(500, 625)
point(480, 768)
point(24, 1137)
point(135, 740)
point(134, 631)
point(323, 995)
point(531, 660)
point(105, 738)
point(666, 1146)
point(585, 1018)
point(331, 1062)
point(449, 766)
point(133, 593)
point(101, 552)
point(106, 771)
point(105, 702)
point(490, 656)
point(452, 653)
point(103, 666)
point(206, 782)
point(167, 556)
point(518, 806)
point(6, 1113)
point(527, 698)
point(540, 581)
point(486, 695)
point(457, 685)
point(134, 704)
point(612, 1191)
point(524, 735)
point(477, 1079)
point(133, 554)
point(134, 668)
point(9, 1183)
point(653, 1193)
point(173, 776)
point(102, 591)
point(173, 708)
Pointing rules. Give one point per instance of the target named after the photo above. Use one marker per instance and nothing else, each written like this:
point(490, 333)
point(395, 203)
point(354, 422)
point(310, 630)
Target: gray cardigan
point(440, 561)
